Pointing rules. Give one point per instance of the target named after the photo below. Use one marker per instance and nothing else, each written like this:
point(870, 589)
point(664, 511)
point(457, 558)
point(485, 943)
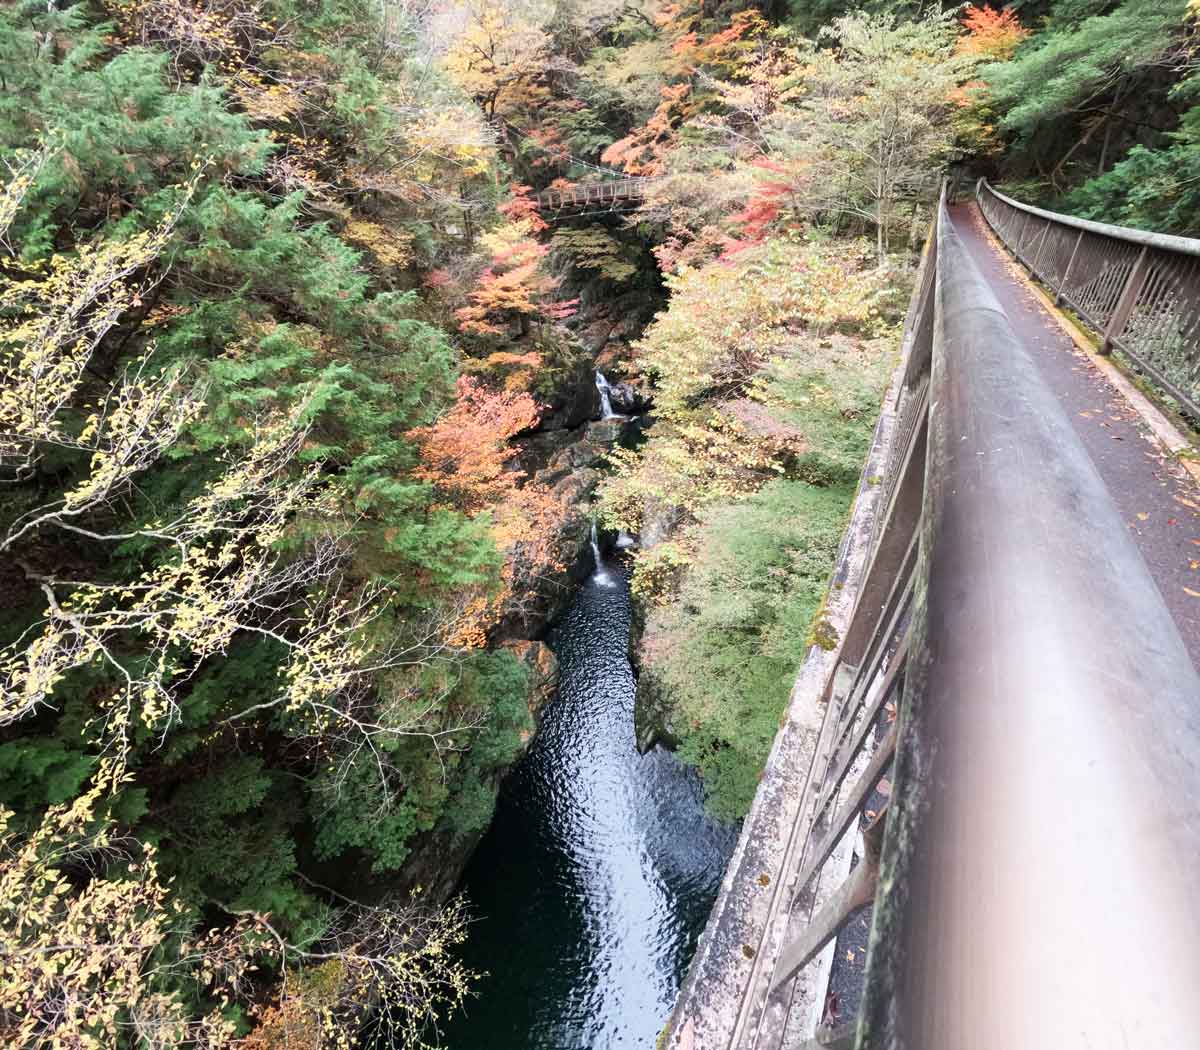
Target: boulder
point(628, 400)
point(537, 451)
point(576, 490)
point(652, 714)
point(595, 335)
point(607, 432)
point(658, 522)
point(583, 453)
point(575, 402)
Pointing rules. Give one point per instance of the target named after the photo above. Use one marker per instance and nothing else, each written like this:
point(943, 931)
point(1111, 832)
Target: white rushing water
point(601, 573)
point(605, 388)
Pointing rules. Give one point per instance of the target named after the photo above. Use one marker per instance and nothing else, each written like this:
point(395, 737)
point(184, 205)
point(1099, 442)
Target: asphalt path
point(1158, 499)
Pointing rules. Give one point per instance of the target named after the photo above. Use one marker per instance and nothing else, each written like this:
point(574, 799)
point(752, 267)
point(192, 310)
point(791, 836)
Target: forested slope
point(293, 429)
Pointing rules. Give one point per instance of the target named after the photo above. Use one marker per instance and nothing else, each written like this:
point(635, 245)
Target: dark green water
point(600, 868)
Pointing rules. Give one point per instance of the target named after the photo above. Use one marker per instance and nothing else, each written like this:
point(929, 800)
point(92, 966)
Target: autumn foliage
point(466, 453)
point(469, 457)
point(514, 288)
point(990, 34)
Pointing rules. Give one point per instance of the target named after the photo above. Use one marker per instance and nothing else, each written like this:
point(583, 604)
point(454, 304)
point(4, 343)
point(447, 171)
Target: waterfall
point(606, 409)
point(601, 575)
point(599, 564)
point(624, 540)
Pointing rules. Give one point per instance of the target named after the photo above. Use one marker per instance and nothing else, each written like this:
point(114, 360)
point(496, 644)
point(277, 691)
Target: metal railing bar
point(857, 891)
point(896, 603)
point(910, 438)
point(1043, 819)
point(1174, 390)
point(846, 754)
point(849, 809)
point(1122, 284)
point(1168, 242)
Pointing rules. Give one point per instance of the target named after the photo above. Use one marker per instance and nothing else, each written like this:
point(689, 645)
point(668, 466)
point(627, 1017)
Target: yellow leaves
point(87, 955)
point(453, 134)
point(65, 310)
point(734, 315)
point(391, 248)
point(266, 101)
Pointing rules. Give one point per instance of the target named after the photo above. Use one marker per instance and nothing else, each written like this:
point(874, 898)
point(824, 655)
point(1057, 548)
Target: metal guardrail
point(1012, 725)
point(586, 194)
point(1140, 291)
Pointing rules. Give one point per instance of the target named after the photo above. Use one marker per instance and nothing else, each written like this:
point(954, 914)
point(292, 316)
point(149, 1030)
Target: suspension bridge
point(978, 826)
point(604, 195)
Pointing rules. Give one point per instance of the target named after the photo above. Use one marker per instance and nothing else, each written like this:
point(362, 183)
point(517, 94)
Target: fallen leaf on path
point(1194, 594)
point(1143, 517)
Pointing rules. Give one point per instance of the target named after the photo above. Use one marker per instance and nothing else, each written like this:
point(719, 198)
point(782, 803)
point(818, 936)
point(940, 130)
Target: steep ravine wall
point(565, 453)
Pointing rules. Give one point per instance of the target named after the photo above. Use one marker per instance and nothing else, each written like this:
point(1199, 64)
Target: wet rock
point(576, 401)
point(595, 335)
point(538, 450)
point(627, 399)
point(581, 454)
point(658, 522)
point(652, 714)
point(576, 490)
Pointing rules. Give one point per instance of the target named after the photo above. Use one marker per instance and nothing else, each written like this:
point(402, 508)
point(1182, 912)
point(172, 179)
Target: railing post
point(1125, 304)
point(1062, 285)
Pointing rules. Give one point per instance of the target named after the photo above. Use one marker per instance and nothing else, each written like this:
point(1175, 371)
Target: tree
point(989, 34)
point(467, 455)
point(220, 570)
point(98, 951)
point(499, 56)
point(874, 125)
point(514, 287)
point(1086, 88)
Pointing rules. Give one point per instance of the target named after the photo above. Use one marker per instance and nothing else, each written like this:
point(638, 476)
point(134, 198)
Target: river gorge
point(598, 872)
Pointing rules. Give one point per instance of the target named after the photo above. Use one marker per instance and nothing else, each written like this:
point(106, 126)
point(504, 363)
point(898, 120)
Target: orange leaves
point(514, 287)
point(767, 203)
point(468, 458)
point(466, 453)
point(523, 207)
point(643, 151)
point(989, 34)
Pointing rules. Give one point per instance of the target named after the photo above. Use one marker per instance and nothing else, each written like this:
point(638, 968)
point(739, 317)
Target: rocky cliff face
point(439, 857)
point(566, 455)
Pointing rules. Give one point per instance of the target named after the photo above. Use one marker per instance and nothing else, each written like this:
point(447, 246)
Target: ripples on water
point(599, 870)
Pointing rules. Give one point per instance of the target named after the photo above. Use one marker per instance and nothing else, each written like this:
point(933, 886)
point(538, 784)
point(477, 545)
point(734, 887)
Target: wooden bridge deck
point(613, 193)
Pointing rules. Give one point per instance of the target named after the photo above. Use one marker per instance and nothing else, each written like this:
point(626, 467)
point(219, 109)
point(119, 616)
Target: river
point(600, 867)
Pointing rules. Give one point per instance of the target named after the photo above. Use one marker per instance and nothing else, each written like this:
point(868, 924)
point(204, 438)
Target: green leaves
point(726, 650)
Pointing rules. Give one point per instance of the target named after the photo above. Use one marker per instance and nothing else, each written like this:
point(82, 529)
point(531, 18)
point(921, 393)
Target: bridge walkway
point(1158, 499)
